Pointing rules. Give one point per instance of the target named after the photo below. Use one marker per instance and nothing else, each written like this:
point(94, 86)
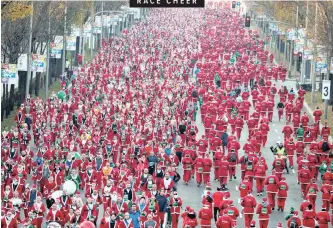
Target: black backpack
point(233, 157)
point(325, 147)
point(293, 224)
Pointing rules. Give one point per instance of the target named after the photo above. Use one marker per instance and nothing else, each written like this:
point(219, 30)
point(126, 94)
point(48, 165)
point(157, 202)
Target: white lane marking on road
point(276, 130)
point(293, 170)
point(239, 200)
point(240, 215)
point(236, 188)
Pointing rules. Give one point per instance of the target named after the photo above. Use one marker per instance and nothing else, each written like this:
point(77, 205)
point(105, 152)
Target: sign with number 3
point(326, 89)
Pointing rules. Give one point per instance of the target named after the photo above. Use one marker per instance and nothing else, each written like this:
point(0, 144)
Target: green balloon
point(61, 95)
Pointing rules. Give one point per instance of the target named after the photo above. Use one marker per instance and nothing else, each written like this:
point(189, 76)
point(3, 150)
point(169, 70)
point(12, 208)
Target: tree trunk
point(21, 87)
point(30, 85)
point(6, 102)
point(3, 107)
point(37, 84)
point(12, 97)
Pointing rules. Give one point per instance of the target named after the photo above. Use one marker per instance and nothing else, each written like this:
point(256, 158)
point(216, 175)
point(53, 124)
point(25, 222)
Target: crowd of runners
point(113, 152)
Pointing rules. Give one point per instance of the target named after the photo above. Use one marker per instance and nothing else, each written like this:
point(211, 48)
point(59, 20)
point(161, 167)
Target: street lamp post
point(27, 85)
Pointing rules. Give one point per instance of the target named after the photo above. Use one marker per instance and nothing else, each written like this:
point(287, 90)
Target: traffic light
point(233, 4)
point(247, 21)
point(300, 55)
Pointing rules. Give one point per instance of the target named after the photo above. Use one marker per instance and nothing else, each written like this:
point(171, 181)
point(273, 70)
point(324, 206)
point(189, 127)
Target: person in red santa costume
point(198, 165)
point(311, 191)
point(167, 183)
point(282, 194)
point(55, 215)
point(9, 220)
point(272, 184)
point(223, 170)
point(325, 131)
point(304, 178)
point(205, 215)
point(248, 203)
point(309, 215)
point(264, 210)
point(323, 218)
point(317, 114)
point(189, 218)
point(175, 203)
point(187, 167)
point(207, 165)
point(225, 221)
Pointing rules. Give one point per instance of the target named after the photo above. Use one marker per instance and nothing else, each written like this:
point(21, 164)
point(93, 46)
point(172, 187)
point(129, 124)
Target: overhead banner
point(9, 73)
point(56, 47)
point(38, 63)
point(70, 43)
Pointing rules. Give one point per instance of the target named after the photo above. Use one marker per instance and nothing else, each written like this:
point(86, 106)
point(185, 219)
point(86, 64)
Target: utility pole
point(102, 24)
point(91, 38)
point(329, 57)
point(48, 59)
point(295, 61)
point(303, 67)
point(64, 41)
point(313, 68)
point(27, 85)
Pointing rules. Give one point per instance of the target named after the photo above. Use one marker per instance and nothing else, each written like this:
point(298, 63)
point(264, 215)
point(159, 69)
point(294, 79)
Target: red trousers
point(248, 219)
point(187, 175)
point(232, 171)
point(291, 160)
point(271, 199)
point(281, 202)
point(238, 132)
point(242, 174)
point(206, 177)
point(216, 172)
point(174, 220)
point(312, 199)
point(161, 216)
point(280, 113)
point(223, 180)
point(198, 177)
point(264, 140)
point(260, 184)
point(39, 222)
point(263, 223)
point(270, 115)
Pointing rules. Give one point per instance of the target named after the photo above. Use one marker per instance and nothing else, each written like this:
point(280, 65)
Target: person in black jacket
point(49, 202)
point(162, 201)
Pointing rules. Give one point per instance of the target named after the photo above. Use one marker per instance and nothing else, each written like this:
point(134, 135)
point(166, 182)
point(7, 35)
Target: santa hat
point(78, 193)
point(188, 208)
point(296, 213)
point(264, 199)
point(279, 225)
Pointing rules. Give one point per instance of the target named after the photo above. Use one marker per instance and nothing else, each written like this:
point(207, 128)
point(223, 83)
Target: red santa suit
point(176, 203)
point(207, 165)
point(272, 184)
point(282, 194)
point(264, 210)
point(205, 215)
point(249, 203)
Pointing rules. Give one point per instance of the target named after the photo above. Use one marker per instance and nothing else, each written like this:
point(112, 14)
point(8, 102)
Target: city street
point(191, 194)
